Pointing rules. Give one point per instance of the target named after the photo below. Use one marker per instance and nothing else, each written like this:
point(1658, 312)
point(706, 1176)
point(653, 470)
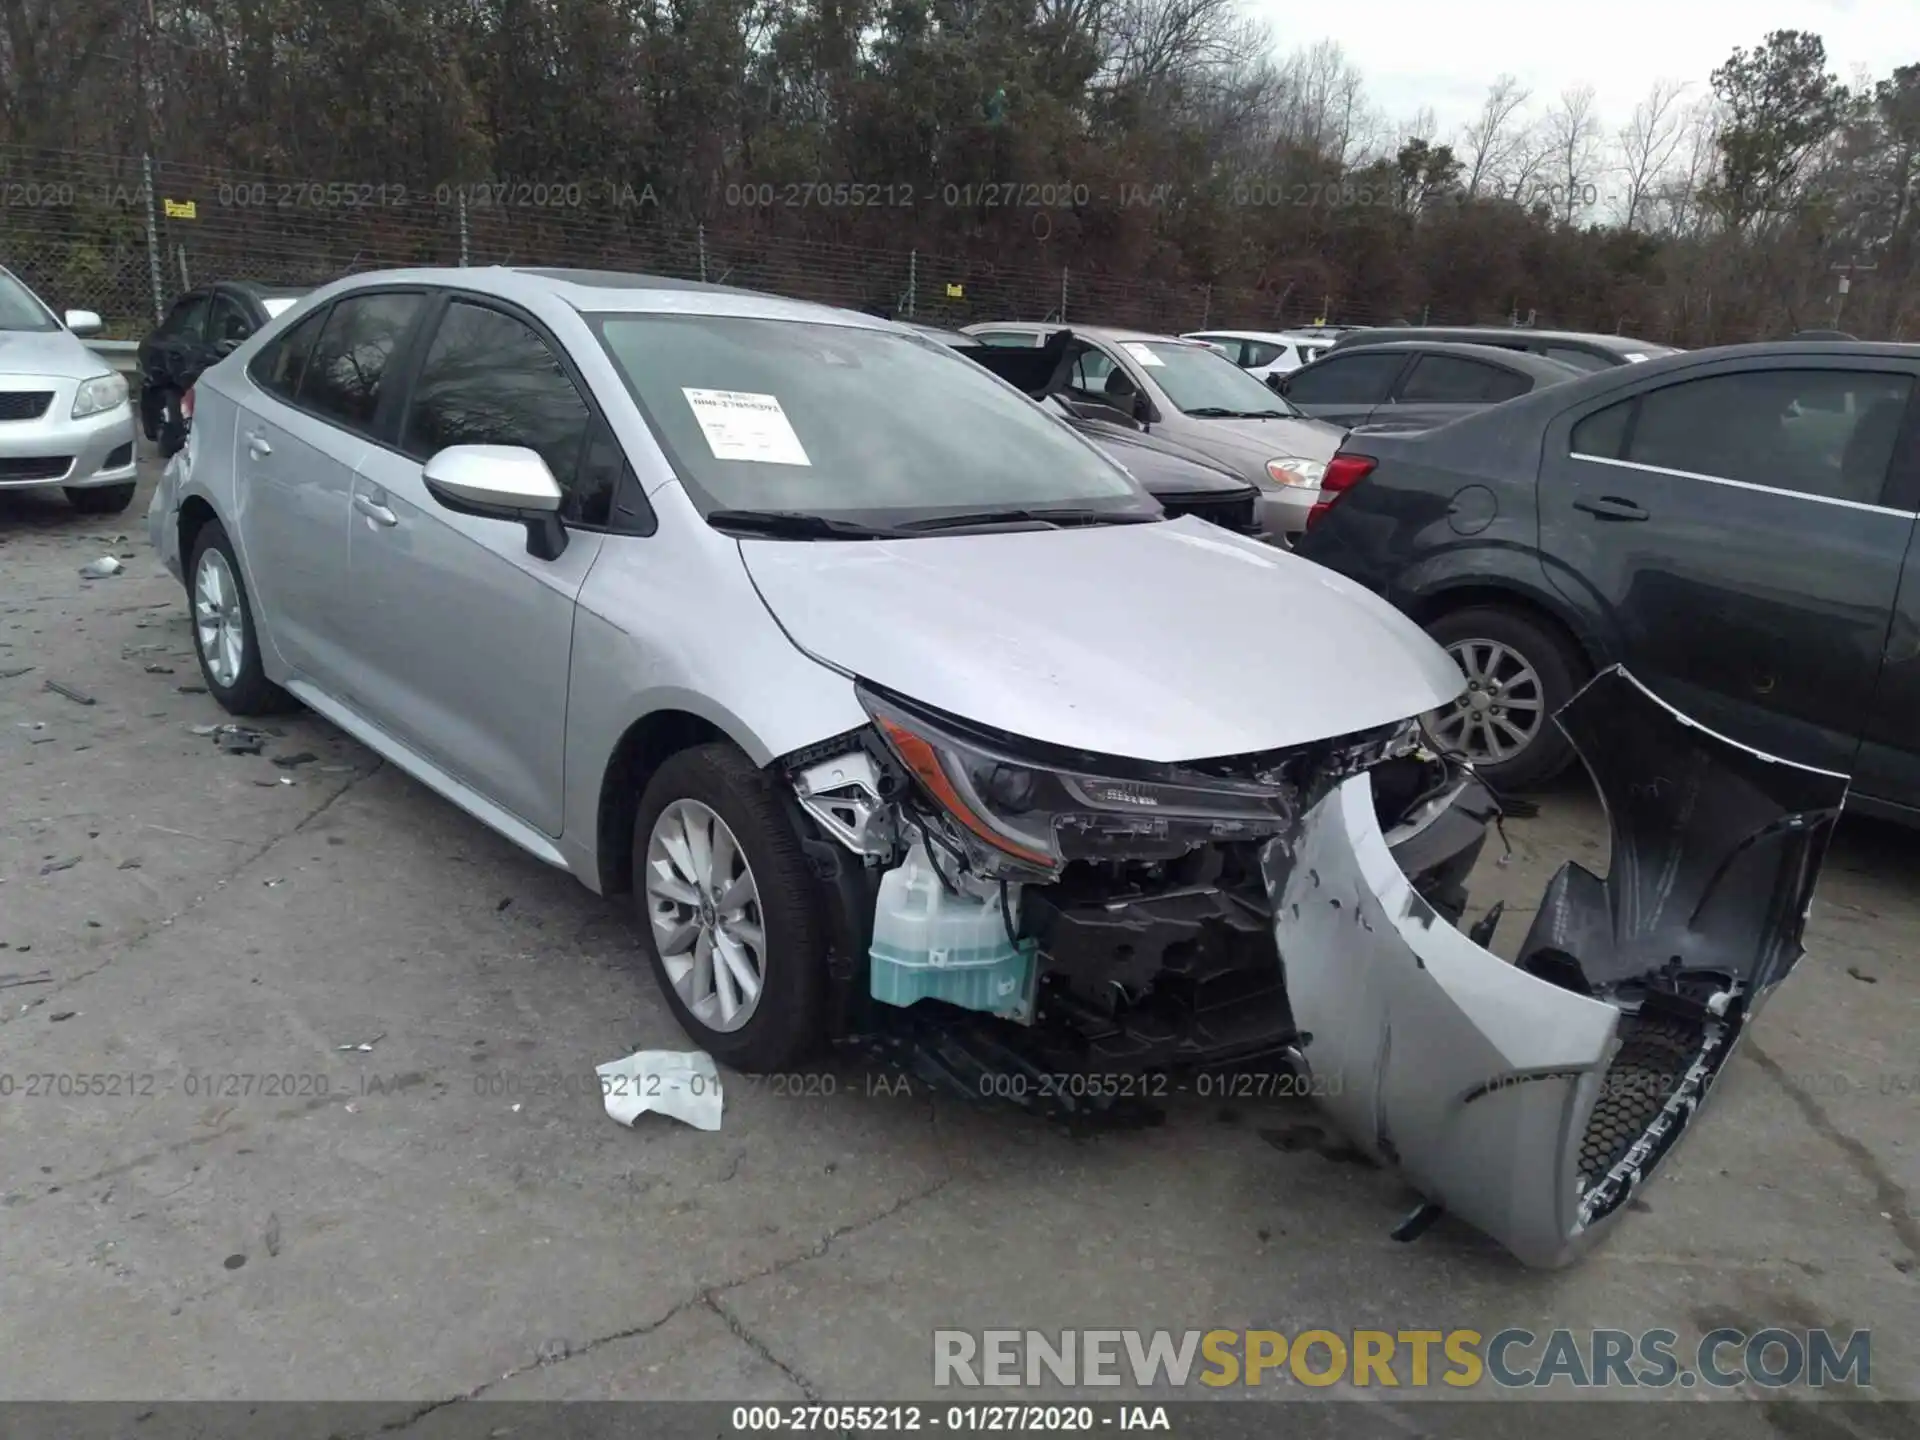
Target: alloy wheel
point(704, 907)
point(1502, 710)
point(218, 622)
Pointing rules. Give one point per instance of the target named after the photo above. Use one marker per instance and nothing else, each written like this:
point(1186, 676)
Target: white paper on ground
point(743, 425)
point(682, 1083)
point(1143, 353)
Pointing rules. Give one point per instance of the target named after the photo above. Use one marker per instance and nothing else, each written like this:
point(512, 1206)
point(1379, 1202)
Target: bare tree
point(1573, 131)
point(1648, 144)
point(1489, 145)
point(1674, 198)
point(1323, 105)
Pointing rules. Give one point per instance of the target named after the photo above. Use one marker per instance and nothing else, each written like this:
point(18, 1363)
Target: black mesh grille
point(24, 404)
point(35, 467)
point(1231, 512)
point(118, 456)
point(1653, 1058)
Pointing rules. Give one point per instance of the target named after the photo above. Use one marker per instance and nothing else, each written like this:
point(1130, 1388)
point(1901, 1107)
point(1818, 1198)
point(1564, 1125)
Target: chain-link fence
point(123, 236)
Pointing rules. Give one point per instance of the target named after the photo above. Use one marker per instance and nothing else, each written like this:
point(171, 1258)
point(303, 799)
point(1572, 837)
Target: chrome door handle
point(258, 447)
point(374, 510)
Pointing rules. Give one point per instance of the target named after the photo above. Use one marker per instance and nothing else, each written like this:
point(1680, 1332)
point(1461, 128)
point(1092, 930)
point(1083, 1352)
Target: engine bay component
point(1533, 1099)
point(934, 941)
point(847, 793)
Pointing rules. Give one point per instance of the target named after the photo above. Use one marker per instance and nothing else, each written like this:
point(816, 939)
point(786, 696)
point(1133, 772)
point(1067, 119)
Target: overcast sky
point(1417, 53)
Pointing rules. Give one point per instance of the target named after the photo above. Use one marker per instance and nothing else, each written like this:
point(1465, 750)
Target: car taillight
point(186, 406)
point(1343, 473)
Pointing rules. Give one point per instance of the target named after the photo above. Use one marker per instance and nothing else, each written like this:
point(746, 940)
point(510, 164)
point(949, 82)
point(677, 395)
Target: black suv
point(1731, 524)
point(1577, 348)
point(203, 326)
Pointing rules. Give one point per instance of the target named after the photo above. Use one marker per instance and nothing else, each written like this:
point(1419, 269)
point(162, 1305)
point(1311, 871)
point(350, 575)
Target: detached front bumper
point(1531, 1099)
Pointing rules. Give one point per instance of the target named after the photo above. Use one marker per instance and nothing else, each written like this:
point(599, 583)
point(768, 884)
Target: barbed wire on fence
point(123, 235)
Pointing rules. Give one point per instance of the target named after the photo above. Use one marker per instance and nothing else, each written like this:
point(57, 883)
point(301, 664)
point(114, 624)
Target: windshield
point(20, 309)
point(795, 416)
point(1199, 381)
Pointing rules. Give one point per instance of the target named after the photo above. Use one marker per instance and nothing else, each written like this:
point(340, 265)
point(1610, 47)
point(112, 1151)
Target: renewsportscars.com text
point(1772, 1358)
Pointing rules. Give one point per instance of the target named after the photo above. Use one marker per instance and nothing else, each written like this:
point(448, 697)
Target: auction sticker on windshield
point(741, 425)
point(1143, 353)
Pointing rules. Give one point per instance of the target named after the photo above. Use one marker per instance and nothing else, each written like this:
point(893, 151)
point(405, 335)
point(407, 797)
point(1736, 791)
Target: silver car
point(1187, 391)
point(64, 417)
point(903, 715)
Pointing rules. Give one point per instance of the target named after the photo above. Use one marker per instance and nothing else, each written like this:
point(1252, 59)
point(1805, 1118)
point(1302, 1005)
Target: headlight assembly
point(102, 392)
point(1290, 470)
point(1033, 816)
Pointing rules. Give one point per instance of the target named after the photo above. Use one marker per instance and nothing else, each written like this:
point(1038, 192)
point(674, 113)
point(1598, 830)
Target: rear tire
point(787, 1018)
point(1557, 670)
point(101, 499)
point(225, 636)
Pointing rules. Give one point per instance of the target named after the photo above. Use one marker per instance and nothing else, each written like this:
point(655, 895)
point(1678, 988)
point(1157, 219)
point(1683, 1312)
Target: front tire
point(225, 637)
point(101, 499)
point(1520, 671)
point(729, 917)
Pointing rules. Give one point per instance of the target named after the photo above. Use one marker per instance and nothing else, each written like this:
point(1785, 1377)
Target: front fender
point(1532, 1099)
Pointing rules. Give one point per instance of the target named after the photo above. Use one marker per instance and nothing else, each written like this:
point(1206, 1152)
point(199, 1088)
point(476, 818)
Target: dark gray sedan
point(1415, 384)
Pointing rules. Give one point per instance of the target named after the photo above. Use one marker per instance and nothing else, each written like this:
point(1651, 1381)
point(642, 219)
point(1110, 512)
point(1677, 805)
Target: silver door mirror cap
point(507, 479)
point(83, 322)
point(1533, 1098)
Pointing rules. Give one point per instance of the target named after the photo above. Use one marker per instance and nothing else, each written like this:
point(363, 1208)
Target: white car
point(64, 416)
point(1263, 353)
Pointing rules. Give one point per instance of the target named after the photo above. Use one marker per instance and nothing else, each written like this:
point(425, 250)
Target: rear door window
point(186, 321)
point(1452, 380)
point(1261, 352)
point(343, 375)
point(229, 321)
point(1825, 433)
point(283, 360)
point(1361, 378)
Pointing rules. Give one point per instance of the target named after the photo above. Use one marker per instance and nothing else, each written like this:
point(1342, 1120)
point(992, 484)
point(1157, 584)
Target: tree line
point(1170, 140)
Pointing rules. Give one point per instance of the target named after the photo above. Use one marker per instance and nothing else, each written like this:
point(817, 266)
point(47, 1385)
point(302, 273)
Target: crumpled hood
point(1161, 642)
point(55, 354)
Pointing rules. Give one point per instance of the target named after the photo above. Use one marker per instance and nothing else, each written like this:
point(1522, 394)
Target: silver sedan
point(64, 416)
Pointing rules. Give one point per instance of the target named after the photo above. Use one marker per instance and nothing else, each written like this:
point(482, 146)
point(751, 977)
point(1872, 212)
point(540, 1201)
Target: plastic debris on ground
point(683, 1084)
point(73, 693)
point(99, 569)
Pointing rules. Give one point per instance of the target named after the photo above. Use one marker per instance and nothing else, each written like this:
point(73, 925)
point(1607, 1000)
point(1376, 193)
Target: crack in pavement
point(759, 1347)
point(707, 1296)
point(140, 937)
point(1887, 1193)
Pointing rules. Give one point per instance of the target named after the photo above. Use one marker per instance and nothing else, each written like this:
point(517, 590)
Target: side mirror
point(501, 482)
point(83, 322)
point(226, 345)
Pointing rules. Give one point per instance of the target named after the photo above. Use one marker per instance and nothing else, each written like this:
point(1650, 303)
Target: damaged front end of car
point(1007, 907)
point(1009, 916)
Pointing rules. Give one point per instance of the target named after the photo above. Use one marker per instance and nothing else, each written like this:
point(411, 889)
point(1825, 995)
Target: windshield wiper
point(1220, 412)
point(1053, 518)
point(798, 525)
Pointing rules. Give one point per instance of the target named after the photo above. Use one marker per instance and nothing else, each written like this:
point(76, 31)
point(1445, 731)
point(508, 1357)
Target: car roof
point(1281, 337)
point(1114, 334)
point(1540, 367)
point(1613, 344)
point(611, 292)
point(945, 336)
